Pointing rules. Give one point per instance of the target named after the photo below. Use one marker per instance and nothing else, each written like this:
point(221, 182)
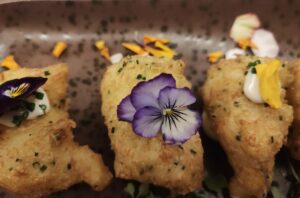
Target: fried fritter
point(40, 156)
point(293, 96)
point(251, 134)
point(179, 168)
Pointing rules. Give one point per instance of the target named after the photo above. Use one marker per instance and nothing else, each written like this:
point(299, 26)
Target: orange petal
point(105, 53)
point(246, 43)
point(59, 48)
point(10, 63)
point(165, 48)
point(100, 44)
point(134, 48)
point(159, 53)
point(151, 39)
point(215, 56)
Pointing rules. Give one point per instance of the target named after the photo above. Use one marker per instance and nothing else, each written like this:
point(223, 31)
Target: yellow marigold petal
point(165, 48)
point(10, 63)
point(105, 53)
point(151, 39)
point(134, 48)
point(100, 44)
point(215, 56)
point(268, 75)
point(59, 48)
point(159, 53)
point(246, 43)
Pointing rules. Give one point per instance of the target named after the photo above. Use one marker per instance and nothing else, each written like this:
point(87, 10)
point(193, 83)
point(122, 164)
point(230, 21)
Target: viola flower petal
point(182, 127)
point(6, 104)
point(13, 90)
point(21, 88)
point(145, 91)
point(147, 122)
point(170, 97)
point(126, 110)
point(265, 44)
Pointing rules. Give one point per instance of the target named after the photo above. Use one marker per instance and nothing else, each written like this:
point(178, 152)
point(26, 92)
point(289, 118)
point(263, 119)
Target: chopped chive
point(43, 107)
point(39, 95)
point(46, 73)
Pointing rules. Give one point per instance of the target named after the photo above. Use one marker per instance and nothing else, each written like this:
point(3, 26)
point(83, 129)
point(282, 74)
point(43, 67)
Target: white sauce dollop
point(251, 87)
point(42, 106)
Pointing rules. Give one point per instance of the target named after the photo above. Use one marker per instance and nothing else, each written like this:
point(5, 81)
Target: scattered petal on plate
point(10, 63)
point(59, 48)
point(215, 56)
point(244, 26)
point(234, 53)
point(159, 53)
point(134, 48)
point(105, 53)
point(151, 39)
point(100, 44)
point(246, 43)
point(266, 44)
point(163, 47)
point(115, 58)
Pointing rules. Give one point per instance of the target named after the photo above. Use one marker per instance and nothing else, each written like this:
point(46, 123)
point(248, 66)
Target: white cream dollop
point(251, 87)
point(42, 106)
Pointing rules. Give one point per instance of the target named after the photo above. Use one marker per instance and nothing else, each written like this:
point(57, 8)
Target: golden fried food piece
point(40, 156)
point(293, 96)
point(179, 168)
point(251, 134)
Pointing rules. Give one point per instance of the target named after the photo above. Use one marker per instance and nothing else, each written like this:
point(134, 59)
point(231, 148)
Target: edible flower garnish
point(14, 91)
point(115, 58)
point(244, 26)
point(246, 43)
point(151, 39)
point(269, 84)
point(10, 63)
point(103, 49)
point(215, 56)
point(234, 52)
point(134, 48)
point(159, 53)
point(59, 48)
point(266, 44)
point(157, 105)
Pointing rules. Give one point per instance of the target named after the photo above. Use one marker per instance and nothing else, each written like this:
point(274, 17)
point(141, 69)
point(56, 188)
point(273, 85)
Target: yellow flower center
point(269, 84)
point(17, 91)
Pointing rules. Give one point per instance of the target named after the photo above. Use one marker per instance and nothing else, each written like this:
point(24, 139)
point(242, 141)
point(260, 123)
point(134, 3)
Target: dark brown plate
point(30, 29)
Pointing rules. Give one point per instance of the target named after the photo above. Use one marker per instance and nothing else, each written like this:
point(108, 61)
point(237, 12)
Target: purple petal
point(6, 104)
point(170, 97)
point(126, 110)
point(147, 122)
point(32, 84)
point(184, 128)
point(146, 93)
point(12, 91)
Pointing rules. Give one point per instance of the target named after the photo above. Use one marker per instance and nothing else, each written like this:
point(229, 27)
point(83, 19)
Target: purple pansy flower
point(157, 105)
point(12, 92)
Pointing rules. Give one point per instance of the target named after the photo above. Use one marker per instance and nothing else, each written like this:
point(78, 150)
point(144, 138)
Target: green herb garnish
point(39, 95)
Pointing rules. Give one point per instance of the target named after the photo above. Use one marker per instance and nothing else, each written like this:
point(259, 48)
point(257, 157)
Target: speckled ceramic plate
point(30, 29)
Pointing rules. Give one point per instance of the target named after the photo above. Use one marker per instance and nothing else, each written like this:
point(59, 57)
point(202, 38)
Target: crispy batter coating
point(40, 156)
point(293, 96)
point(251, 134)
point(179, 168)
